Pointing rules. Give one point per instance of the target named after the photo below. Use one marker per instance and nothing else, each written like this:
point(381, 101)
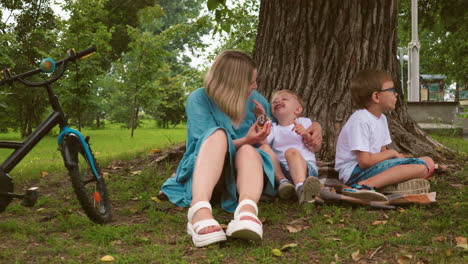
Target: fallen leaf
point(277, 252)
point(133, 210)
point(464, 246)
point(116, 242)
point(224, 226)
point(107, 258)
point(335, 239)
point(401, 210)
point(97, 153)
point(398, 235)
point(356, 256)
point(44, 174)
point(262, 219)
point(155, 151)
point(440, 238)
point(337, 258)
point(295, 228)
point(105, 175)
point(156, 199)
point(341, 225)
point(379, 222)
point(40, 209)
point(460, 240)
point(137, 172)
point(288, 246)
point(143, 239)
point(405, 259)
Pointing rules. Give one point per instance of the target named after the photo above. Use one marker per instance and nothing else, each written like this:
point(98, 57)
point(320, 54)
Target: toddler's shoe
point(286, 191)
point(414, 186)
point(309, 190)
point(364, 192)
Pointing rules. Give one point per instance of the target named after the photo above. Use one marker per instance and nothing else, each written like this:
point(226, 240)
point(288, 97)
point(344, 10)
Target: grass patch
point(147, 231)
point(111, 143)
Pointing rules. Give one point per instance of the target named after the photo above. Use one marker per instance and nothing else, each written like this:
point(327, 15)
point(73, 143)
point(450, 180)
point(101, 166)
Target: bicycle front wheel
point(90, 189)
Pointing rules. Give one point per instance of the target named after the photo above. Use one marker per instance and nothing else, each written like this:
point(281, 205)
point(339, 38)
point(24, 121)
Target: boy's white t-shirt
point(282, 138)
point(364, 132)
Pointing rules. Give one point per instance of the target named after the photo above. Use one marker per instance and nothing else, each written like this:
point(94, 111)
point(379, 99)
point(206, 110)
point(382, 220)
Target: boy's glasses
point(389, 89)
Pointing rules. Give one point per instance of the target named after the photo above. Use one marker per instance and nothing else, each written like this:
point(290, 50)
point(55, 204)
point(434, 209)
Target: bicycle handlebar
point(6, 78)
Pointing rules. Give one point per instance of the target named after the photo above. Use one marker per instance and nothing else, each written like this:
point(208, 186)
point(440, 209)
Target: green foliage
point(166, 106)
point(78, 91)
point(443, 34)
point(26, 36)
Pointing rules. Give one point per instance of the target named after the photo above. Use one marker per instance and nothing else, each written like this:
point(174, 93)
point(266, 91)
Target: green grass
point(111, 143)
point(459, 144)
point(146, 231)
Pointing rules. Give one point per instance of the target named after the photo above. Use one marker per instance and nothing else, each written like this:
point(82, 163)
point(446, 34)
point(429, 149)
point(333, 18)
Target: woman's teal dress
point(203, 118)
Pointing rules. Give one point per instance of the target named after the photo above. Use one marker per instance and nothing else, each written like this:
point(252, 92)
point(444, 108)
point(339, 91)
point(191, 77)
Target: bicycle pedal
point(30, 197)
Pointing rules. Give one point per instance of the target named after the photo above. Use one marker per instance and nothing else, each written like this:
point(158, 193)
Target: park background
point(129, 97)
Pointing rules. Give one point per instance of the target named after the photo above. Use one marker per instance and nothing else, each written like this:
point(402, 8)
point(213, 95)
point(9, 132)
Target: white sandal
point(201, 240)
point(245, 229)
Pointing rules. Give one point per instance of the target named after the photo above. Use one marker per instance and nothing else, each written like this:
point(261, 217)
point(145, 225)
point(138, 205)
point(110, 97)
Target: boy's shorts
point(359, 174)
point(310, 170)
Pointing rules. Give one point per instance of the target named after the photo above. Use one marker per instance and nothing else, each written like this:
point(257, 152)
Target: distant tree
point(83, 29)
point(166, 104)
point(26, 37)
point(443, 34)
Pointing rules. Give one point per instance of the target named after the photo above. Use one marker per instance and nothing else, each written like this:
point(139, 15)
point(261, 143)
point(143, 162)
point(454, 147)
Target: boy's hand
point(299, 129)
point(258, 110)
point(395, 154)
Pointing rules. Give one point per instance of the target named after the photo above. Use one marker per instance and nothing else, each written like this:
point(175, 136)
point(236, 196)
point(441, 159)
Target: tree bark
point(315, 48)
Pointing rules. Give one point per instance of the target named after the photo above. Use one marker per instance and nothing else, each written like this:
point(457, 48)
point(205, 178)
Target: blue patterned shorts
point(359, 174)
point(310, 171)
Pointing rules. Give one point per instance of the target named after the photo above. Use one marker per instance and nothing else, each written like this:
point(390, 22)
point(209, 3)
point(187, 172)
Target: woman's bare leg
point(207, 172)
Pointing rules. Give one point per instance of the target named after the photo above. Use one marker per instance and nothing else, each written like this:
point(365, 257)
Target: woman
point(221, 153)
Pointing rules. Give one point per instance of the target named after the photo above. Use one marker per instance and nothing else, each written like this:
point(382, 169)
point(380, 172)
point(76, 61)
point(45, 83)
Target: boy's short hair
point(365, 83)
point(291, 93)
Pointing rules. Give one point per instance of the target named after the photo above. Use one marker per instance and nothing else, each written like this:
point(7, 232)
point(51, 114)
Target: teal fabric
point(203, 118)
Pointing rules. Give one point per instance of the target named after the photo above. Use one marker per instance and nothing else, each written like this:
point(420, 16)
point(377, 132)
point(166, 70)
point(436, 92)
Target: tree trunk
point(316, 47)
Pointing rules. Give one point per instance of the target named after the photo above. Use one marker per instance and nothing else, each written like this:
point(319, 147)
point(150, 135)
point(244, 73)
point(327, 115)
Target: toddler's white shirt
point(364, 132)
point(282, 138)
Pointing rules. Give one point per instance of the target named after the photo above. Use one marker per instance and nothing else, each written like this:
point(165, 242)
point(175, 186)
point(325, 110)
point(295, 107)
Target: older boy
point(362, 158)
point(294, 162)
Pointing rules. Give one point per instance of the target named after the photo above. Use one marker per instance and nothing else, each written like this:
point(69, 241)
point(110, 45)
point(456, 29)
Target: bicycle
point(86, 177)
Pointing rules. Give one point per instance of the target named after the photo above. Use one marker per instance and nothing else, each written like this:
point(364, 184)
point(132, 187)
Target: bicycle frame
point(73, 146)
point(55, 118)
point(23, 148)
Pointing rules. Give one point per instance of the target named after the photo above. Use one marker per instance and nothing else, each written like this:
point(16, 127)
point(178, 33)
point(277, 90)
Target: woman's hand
point(257, 135)
point(258, 110)
point(313, 139)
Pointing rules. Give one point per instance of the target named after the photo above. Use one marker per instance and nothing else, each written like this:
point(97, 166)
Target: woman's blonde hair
point(228, 82)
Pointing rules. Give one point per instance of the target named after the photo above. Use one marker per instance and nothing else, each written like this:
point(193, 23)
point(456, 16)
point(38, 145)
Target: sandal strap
point(203, 224)
point(242, 203)
point(240, 215)
point(362, 187)
point(199, 205)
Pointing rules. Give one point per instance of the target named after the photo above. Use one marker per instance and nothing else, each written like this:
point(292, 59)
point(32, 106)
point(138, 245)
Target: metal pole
point(413, 53)
point(402, 62)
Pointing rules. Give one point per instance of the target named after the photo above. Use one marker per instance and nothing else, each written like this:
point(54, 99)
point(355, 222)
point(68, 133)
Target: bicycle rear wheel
point(90, 189)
